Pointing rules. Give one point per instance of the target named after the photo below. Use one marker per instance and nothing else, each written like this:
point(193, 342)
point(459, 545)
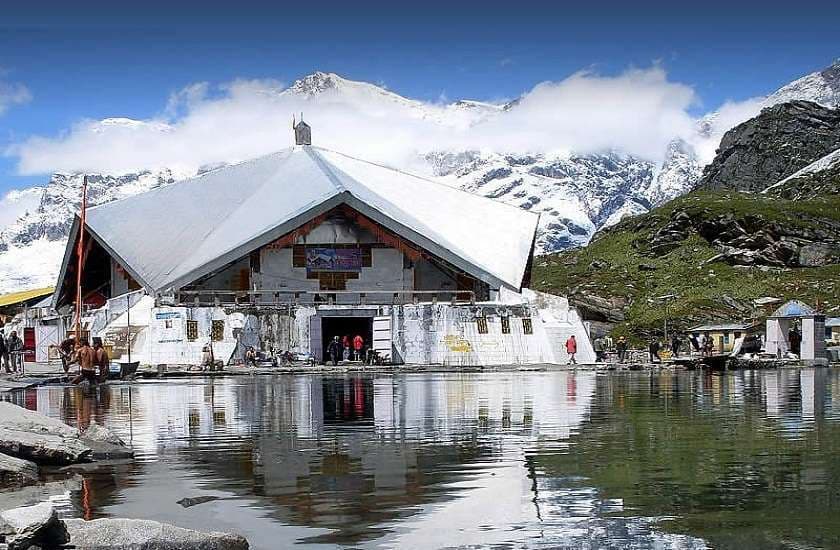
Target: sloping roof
point(24, 296)
point(794, 308)
point(723, 327)
point(832, 322)
point(172, 235)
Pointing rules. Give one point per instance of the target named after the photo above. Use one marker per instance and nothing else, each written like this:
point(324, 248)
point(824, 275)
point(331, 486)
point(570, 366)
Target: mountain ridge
point(577, 195)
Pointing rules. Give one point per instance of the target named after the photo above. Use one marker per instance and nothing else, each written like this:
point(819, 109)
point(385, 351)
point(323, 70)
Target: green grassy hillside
point(621, 267)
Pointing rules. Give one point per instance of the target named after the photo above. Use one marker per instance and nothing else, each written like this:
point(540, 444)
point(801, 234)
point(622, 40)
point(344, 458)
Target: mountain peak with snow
point(316, 83)
point(575, 194)
point(821, 87)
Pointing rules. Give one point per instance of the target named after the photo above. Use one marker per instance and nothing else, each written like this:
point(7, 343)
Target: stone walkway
point(37, 374)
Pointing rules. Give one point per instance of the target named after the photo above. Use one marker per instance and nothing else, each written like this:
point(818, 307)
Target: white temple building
point(289, 250)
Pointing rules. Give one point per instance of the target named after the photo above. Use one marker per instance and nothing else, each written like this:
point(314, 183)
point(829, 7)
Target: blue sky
point(95, 60)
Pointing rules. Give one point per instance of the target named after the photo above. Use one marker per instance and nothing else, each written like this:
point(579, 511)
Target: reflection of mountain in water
point(750, 449)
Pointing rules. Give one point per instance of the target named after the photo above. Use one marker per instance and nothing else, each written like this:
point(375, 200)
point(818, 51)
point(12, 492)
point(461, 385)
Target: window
point(192, 330)
point(725, 337)
point(527, 327)
point(217, 332)
point(335, 281)
point(481, 322)
point(505, 325)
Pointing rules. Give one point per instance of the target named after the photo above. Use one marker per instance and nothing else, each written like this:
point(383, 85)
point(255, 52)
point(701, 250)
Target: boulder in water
point(16, 471)
point(135, 534)
point(21, 528)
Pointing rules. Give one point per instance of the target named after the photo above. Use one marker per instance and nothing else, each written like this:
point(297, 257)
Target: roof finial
point(303, 132)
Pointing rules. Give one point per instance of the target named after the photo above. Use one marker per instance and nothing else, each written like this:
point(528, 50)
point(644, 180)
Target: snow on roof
point(172, 235)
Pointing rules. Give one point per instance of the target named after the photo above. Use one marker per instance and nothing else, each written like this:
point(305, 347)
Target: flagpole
point(80, 250)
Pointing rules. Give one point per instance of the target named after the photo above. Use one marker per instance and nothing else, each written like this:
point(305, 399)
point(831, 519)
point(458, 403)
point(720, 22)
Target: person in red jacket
point(571, 349)
point(358, 344)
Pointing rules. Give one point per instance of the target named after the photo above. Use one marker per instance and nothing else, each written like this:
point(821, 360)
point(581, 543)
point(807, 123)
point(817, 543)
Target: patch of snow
point(829, 161)
point(34, 265)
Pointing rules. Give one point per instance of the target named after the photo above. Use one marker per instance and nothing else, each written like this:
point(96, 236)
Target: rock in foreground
point(32, 436)
point(135, 534)
point(17, 471)
point(36, 525)
point(43, 448)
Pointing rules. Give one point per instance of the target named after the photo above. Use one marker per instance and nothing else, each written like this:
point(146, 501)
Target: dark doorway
point(345, 326)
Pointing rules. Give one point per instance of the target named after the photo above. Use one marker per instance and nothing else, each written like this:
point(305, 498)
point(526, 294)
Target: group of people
point(605, 344)
point(253, 357)
point(343, 349)
point(11, 352)
point(704, 345)
point(93, 360)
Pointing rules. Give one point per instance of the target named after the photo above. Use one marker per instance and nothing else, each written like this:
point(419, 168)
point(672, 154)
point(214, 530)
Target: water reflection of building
point(344, 453)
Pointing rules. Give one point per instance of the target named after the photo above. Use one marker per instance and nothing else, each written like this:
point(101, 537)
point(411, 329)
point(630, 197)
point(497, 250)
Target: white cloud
point(12, 93)
point(714, 126)
point(17, 203)
point(636, 112)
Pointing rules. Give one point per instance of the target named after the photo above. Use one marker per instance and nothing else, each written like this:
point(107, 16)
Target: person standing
point(795, 340)
point(358, 344)
point(207, 359)
point(621, 348)
point(653, 350)
point(4, 352)
point(86, 360)
point(347, 344)
point(65, 353)
point(695, 344)
point(598, 344)
point(675, 346)
point(14, 345)
point(334, 350)
point(703, 342)
point(101, 360)
point(571, 349)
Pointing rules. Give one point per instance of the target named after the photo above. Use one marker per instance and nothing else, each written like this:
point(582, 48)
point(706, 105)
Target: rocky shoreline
point(28, 441)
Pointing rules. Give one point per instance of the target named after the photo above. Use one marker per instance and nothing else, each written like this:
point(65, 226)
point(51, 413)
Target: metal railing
point(286, 298)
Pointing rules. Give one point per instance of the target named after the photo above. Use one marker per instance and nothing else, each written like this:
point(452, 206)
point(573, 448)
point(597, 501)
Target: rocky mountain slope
point(576, 194)
point(707, 255)
point(766, 149)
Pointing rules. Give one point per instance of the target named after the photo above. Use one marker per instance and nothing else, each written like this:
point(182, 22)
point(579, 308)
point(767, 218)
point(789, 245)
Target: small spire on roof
point(303, 132)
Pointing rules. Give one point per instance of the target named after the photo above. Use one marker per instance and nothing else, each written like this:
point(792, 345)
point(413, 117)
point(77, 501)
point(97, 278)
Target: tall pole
point(80, 252)
point(128, 325)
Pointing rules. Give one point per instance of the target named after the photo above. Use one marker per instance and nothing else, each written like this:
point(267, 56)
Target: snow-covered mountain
point(575, 194)
point(32, 246)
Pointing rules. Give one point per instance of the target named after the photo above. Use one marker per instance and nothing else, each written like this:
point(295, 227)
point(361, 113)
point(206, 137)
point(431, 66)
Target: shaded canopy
point(168, 237)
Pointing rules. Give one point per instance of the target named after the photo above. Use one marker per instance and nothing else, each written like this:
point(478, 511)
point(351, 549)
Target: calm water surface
point(749, 459)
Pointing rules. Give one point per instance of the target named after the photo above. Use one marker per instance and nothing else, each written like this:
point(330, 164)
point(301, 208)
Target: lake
point(552, 459)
